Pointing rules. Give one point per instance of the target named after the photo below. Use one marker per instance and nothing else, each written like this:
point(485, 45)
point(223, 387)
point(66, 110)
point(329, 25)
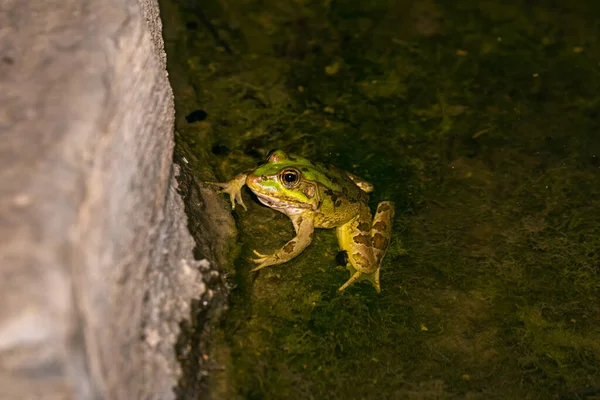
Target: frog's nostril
point(254, 179)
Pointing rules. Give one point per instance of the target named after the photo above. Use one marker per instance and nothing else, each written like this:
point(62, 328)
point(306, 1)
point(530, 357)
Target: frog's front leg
point(304, 226)
point(234, 189)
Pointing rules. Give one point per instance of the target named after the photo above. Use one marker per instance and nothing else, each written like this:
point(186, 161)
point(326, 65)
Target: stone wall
point(96, 266)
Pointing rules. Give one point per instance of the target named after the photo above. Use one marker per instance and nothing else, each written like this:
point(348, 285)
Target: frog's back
point(341, 198)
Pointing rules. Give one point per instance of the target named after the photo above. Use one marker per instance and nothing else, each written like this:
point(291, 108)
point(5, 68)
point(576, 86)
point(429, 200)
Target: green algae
point(480, 120)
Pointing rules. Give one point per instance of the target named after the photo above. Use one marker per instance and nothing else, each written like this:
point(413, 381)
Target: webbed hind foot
point(357, 276)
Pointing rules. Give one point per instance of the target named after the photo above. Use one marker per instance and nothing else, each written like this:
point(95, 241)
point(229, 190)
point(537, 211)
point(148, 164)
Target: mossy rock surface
point(480, 120)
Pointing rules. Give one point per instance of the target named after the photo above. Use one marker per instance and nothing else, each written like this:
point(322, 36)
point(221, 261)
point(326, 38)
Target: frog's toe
point(238, 197)
point(356, 276)
point(222, 186)
point(350, 281)
point(259, 254)
point(234, 192)
point(259, 260)
point(261, 266)
point(264, 262)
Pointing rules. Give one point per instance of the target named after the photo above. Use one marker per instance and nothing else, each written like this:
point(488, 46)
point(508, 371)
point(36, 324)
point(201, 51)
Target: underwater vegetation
point(480, 120)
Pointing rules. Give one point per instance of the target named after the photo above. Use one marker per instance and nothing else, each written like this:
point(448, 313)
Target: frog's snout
point(254, 180)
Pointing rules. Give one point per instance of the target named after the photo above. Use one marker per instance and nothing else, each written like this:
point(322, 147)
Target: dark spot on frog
point(362, 239)
point(383, 208)
point(220, 150)
point(345, 191)
point(196, 116)
point(360, 259)
point(380, 226)
point(338, 203)
point(331, 194)
point(380, 242)
point(341, 258)
point(288, 248)
point(8, 60)
point(363, 226)
point(304, 169)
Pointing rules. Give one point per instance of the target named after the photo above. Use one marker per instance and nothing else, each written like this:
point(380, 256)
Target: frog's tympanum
point(316, 195)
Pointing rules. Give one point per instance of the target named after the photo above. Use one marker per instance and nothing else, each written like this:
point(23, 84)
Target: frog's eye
point(290, 177)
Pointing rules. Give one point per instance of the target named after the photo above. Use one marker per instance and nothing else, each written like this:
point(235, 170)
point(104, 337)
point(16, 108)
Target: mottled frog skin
point(317, 195)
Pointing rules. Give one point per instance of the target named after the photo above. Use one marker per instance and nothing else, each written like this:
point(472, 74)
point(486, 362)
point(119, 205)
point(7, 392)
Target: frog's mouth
point(281, 203)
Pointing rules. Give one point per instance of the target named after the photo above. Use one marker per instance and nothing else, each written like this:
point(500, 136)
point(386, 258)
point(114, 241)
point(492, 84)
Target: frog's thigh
point(355, 238)
point(381, 230)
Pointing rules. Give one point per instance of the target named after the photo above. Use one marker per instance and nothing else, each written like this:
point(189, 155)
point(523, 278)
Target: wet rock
point(96, 263)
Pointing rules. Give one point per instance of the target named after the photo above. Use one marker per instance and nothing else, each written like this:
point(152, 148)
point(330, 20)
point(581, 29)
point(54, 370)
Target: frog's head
point(285, 183)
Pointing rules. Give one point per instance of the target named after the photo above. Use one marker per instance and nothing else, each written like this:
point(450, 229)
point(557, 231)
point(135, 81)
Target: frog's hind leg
point(355, 238)
point(381, 231)
point(366, 248)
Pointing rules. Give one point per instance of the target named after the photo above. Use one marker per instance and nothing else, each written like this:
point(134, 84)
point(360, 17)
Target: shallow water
point(481, 122)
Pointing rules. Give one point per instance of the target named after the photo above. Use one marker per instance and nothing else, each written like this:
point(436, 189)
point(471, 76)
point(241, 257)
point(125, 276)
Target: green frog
point(317, 195)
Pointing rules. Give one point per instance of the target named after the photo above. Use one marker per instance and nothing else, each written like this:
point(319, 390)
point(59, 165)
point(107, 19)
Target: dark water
point(481, 121)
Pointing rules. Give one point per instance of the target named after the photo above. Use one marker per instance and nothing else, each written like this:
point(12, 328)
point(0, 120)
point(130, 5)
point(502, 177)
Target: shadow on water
point(480, 120)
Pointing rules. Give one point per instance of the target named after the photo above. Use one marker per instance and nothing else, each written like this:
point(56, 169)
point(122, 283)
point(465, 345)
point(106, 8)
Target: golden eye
point(290, 177)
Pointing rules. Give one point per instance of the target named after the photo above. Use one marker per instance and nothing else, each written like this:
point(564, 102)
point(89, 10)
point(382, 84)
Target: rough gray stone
point(96, 266)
